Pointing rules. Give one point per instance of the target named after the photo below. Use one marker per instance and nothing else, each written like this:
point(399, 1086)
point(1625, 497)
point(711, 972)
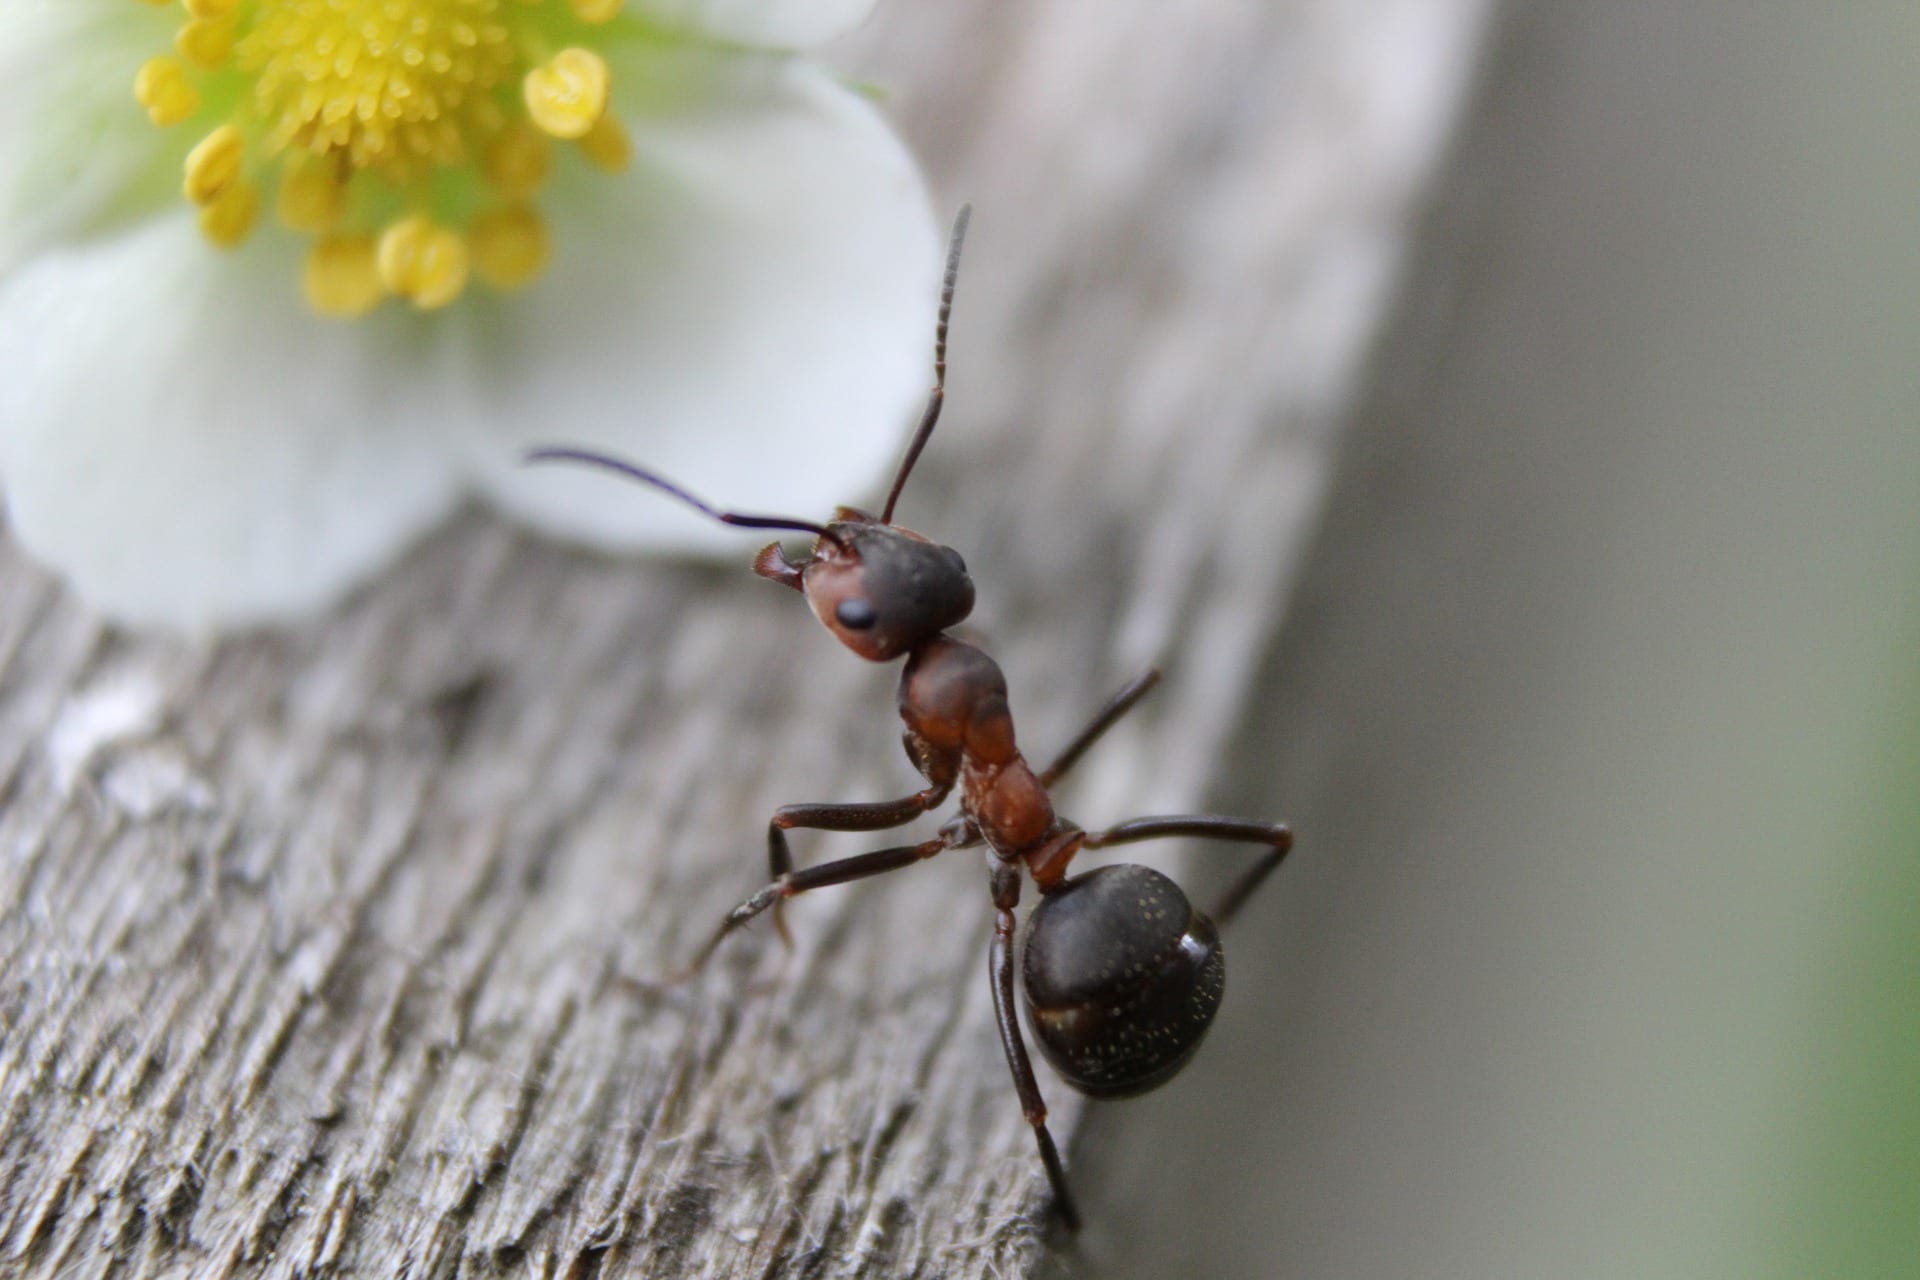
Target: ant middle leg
point(1276, 836)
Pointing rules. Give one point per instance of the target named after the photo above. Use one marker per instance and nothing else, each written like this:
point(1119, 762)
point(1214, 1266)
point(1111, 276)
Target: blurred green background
point(1599, 717)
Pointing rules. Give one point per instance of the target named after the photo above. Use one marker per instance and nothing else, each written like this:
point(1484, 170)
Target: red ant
point(1121, 975)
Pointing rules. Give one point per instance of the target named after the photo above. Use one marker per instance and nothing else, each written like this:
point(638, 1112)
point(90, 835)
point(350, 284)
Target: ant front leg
point(839, 817)
point(1006, 895)
point(784, 881)
point(1276, 836)
point(791, 883)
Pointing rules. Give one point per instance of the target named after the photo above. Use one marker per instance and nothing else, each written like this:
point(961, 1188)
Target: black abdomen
point(1122, 978)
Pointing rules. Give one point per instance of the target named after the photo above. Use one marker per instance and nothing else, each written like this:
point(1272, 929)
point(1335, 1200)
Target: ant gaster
point(1121, 976)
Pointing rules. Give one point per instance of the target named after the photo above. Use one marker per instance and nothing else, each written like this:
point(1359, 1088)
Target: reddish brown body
point(1121, 977)
point(954, 702)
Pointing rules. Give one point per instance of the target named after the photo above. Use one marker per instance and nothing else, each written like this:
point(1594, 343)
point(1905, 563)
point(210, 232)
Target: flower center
point(387, 83)
point(407, 137)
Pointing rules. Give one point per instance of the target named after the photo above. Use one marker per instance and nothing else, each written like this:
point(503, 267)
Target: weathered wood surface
point(314, 946)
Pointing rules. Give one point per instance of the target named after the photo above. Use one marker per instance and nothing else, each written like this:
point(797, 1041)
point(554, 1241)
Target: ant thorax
point(953, 699)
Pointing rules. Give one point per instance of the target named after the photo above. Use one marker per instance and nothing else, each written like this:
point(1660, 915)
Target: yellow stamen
point(390, 131)
point(569, 93)
point(607, 145)
point(401, 86)
point(205, 42)
point(214, 164)
point(230, 217)
point(518, 161)
point(423, 263)
point(163, 90)
point(510, 247)
point(312, 195)
point(342, 277)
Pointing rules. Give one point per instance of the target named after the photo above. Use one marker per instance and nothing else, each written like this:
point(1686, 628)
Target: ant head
point(879, 588)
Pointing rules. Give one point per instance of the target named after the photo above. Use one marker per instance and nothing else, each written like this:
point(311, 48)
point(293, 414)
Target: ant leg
point(1006, 894)
point(839, 817)
point(1117, 706)
point(1276, 836)
point(789, 883)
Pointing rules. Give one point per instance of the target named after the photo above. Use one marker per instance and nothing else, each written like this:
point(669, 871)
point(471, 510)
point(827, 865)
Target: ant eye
point(855, 614)
point(953, 558)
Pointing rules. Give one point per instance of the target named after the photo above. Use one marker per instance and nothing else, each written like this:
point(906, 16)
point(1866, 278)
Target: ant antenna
point(672, 490)
point(935, 400)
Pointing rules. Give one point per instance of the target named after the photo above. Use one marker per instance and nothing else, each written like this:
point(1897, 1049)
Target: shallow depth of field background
point(1599, 716)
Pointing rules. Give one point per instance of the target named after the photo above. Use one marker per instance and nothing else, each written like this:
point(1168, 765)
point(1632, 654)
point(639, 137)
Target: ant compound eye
point(953, 558)
point(855, 614)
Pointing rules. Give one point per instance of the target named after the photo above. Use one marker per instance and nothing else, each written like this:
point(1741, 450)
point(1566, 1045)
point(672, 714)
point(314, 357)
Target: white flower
point(280, 280)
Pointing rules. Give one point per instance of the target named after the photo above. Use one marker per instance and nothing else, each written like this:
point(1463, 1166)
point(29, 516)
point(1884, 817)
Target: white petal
point(187, 445)
point(763, 23)
point(72, 138)
point(749, 310)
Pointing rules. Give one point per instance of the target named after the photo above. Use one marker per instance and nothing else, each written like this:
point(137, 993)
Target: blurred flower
point(280, 280)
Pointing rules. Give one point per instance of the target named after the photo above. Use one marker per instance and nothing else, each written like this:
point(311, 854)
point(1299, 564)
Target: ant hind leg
point(1276, 836)
point(1006, 895)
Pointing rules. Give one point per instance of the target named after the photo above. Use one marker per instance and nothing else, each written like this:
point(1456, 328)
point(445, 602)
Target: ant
point(1121, 976)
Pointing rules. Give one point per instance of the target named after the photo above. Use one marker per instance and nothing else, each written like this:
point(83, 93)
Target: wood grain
point(324, 951)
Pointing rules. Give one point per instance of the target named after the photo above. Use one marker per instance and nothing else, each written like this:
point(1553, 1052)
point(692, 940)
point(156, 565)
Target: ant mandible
point(1121, 976)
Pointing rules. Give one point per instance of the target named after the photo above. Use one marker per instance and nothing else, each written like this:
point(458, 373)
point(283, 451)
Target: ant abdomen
point(1122, 978)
